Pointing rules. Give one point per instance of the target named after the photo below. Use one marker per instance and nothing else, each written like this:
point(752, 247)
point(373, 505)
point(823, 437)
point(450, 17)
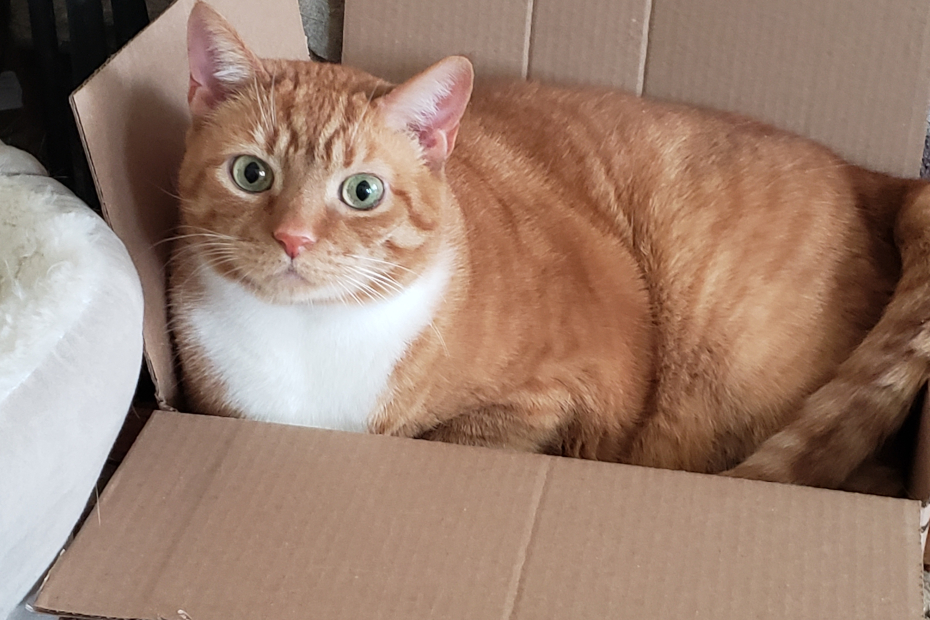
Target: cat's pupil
point(363, 190)
point(253, 172)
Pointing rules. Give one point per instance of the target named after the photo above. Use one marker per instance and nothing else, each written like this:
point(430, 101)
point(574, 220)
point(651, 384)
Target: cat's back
point(759, 251)
point(633, 139)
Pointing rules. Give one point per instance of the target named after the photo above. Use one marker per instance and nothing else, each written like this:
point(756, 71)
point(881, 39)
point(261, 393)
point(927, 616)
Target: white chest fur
point(322, 365)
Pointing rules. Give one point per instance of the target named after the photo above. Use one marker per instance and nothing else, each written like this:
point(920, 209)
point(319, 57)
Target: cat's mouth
point(293, 285)
point(291, 274)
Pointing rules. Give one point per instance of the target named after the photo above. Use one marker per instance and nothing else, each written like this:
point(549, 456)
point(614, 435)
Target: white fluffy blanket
point(70, 352)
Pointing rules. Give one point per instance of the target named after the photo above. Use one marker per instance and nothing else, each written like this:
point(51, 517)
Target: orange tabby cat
point(578, 272)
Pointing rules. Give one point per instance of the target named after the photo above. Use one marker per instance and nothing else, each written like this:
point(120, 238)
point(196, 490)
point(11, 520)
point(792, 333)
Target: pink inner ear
point(427, 137)
point(204, 92)
point(202, 64)
point(207, 34)
point(200, 95)
point(431, 105)
point(450, 106)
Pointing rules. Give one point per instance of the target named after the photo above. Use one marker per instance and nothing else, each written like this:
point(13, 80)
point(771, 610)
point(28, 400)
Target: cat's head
point(314, 182)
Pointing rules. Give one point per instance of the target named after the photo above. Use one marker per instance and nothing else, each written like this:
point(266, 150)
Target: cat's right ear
point(430, 106)
point(220, 63)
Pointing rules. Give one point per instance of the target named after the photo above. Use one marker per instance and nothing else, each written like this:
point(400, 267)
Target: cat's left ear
point(220, 63)
point(430, 105)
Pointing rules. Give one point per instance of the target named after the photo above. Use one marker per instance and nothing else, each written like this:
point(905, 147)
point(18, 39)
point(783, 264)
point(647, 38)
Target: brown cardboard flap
point(853, 74)
point(396, 39)
point(229, 519)
point(593, 42)
point(132, 116)
point(920, 474)
point(581, 42)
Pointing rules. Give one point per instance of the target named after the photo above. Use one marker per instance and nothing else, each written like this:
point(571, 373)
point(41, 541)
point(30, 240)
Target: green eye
point(252, 174)
point(362, 191)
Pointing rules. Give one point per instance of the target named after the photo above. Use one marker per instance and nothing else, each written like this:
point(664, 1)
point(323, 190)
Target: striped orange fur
point(628, 280)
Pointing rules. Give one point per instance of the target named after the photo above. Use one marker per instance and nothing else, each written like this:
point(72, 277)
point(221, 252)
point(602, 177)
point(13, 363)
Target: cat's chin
point(290, 288)
point(295, 296)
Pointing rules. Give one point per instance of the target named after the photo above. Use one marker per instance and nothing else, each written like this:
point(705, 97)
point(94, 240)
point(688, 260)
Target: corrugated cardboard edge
point(920, 473)
point(924, 525)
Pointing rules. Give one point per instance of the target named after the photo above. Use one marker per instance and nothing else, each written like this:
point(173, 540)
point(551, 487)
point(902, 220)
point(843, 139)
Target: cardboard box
point(220, 518)
point(228, 519)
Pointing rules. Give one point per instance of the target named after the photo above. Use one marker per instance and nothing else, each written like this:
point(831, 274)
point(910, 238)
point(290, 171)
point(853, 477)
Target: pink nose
point(293, 243)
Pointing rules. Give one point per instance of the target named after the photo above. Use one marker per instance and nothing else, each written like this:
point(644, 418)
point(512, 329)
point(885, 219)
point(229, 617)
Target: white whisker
point(383, 262)
point(442, 341)
point(274, 101)
point(381, 278)
point(364, 287)
point(193, 236)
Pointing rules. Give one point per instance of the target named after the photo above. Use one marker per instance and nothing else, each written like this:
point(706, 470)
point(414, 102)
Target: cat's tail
point(842, 423)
